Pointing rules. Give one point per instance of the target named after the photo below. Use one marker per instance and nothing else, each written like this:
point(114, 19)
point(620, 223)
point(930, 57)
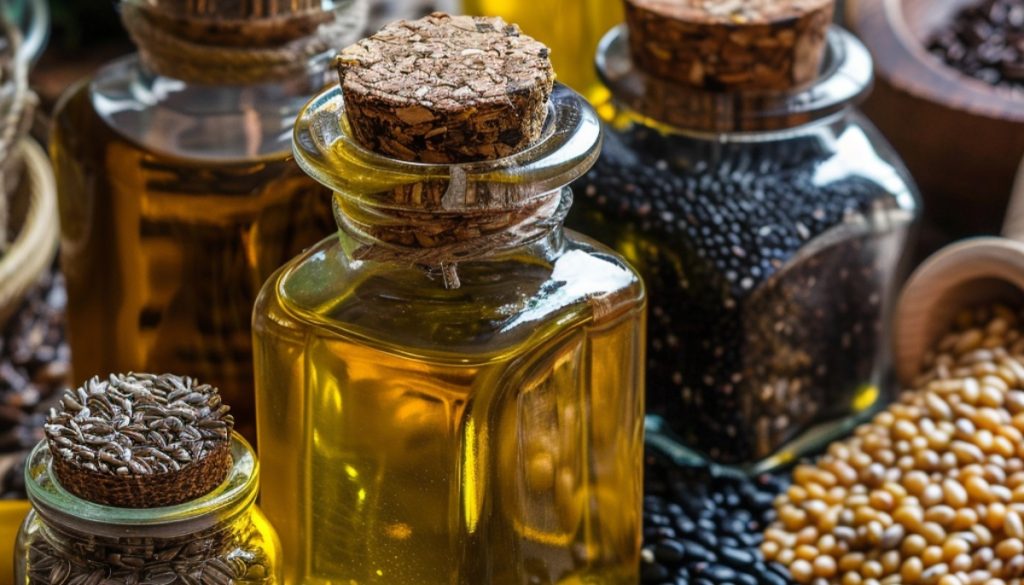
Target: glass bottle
point(177, 195)
point(769, 228)
point(221, 537)
point(490, 433)
point(571, 28)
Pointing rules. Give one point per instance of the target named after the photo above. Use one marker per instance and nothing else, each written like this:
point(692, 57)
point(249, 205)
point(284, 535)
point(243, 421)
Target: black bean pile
point(702, 529)
point(752, 336)
point(985, 41)
point(34, 368)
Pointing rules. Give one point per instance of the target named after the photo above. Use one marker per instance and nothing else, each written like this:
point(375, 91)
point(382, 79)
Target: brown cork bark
point(730, 44)
point(446, 89)
point(237, 23)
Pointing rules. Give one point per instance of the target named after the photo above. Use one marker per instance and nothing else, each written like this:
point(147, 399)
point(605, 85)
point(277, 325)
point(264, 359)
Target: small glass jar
point(221, 537)
point(424, 432)
point(770, 229)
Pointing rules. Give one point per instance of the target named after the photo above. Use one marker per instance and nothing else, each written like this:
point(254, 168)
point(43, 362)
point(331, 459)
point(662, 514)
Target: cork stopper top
point(446, 89)
point(235, 9)
point(724, 45)
point(731, 12)
point(240, 24)
point(140, 440)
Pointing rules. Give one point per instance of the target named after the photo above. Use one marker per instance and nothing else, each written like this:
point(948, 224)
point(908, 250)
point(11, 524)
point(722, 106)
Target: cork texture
point(722, 45)
point(446, 89)
point(237, 23)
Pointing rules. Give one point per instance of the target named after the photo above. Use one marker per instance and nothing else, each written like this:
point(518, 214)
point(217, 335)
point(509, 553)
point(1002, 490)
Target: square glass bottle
point(450, 390)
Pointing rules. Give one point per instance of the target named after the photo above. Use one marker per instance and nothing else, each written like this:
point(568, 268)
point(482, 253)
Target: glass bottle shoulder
point(845, 147)
point(211, 122)
point(505, 304)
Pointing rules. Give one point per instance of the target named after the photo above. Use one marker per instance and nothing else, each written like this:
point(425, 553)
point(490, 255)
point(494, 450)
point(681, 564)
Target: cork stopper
point(140, 440)
point(446, 89)
point(236, 23)
point(723, 45)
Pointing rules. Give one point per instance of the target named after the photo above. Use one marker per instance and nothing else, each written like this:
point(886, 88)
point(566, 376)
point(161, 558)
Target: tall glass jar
point(770, 229)
point(177, 195)
point(423, 434)
point(221, 537)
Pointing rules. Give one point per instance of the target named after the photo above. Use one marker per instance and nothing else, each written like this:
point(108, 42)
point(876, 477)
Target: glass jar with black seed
point(770, 229)
point(218, 539)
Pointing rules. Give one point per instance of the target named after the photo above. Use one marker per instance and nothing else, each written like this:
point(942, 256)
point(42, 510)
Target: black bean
point(736, 557)
point(669, 552)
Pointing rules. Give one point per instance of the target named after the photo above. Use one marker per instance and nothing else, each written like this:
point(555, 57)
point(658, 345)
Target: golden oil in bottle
point(431, 429)
point(164, 257)
point(178, 199)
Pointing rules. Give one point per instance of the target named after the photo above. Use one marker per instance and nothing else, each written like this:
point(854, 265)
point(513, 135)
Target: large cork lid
point(238, 23)
point(140, 441)
point(730, 44)
point(446, 89)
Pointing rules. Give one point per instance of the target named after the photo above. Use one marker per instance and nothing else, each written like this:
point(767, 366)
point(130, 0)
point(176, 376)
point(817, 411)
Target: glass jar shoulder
point(504, 303)
point(192, 121)
point(723, 193)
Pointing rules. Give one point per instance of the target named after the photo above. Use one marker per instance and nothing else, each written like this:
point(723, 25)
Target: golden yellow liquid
point(164, 257)
point(421, 436)
point(571, 28)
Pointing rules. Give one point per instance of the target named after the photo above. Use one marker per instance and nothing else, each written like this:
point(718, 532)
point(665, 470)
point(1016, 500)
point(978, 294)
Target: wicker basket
point(33, 215)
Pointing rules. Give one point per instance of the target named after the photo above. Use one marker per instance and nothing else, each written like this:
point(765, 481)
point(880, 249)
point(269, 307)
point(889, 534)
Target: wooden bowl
point(34, 216)
point(961, 138)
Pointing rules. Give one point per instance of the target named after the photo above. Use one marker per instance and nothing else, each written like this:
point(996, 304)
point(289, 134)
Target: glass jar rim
point(847, 75)
point(569, 145)
point(55, 503)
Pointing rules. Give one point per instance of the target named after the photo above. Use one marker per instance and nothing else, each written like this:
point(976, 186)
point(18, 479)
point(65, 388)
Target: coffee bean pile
point(34, 369)
point(985, 41)
point(758, 327)
point(705, 529)
point(932, 489)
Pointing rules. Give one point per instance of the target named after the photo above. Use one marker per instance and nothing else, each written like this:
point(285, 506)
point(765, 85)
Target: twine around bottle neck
point(170, 53)
point(440, 239)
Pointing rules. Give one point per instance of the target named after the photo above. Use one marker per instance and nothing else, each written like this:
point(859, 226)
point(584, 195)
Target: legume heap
point(932, 489)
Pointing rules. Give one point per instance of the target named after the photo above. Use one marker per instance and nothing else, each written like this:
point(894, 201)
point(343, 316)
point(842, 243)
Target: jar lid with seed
point(140, 440)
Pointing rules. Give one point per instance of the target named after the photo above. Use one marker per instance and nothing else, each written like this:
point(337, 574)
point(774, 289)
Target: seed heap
point(749, 342)
point(214, 557)
point(113, 440)
point(930, 491)
point(985, 41)
point(706, 529)
point(34, 365)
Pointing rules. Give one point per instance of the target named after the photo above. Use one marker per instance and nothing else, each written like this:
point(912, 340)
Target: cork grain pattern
point(446, 89)
point(730, 44)
point(237, 23)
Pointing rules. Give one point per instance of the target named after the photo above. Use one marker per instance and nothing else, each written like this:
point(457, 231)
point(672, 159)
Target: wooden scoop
point(964, 274)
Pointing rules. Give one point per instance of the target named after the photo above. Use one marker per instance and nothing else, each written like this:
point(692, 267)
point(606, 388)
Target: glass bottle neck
point(536, 230)
point(228, 123)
